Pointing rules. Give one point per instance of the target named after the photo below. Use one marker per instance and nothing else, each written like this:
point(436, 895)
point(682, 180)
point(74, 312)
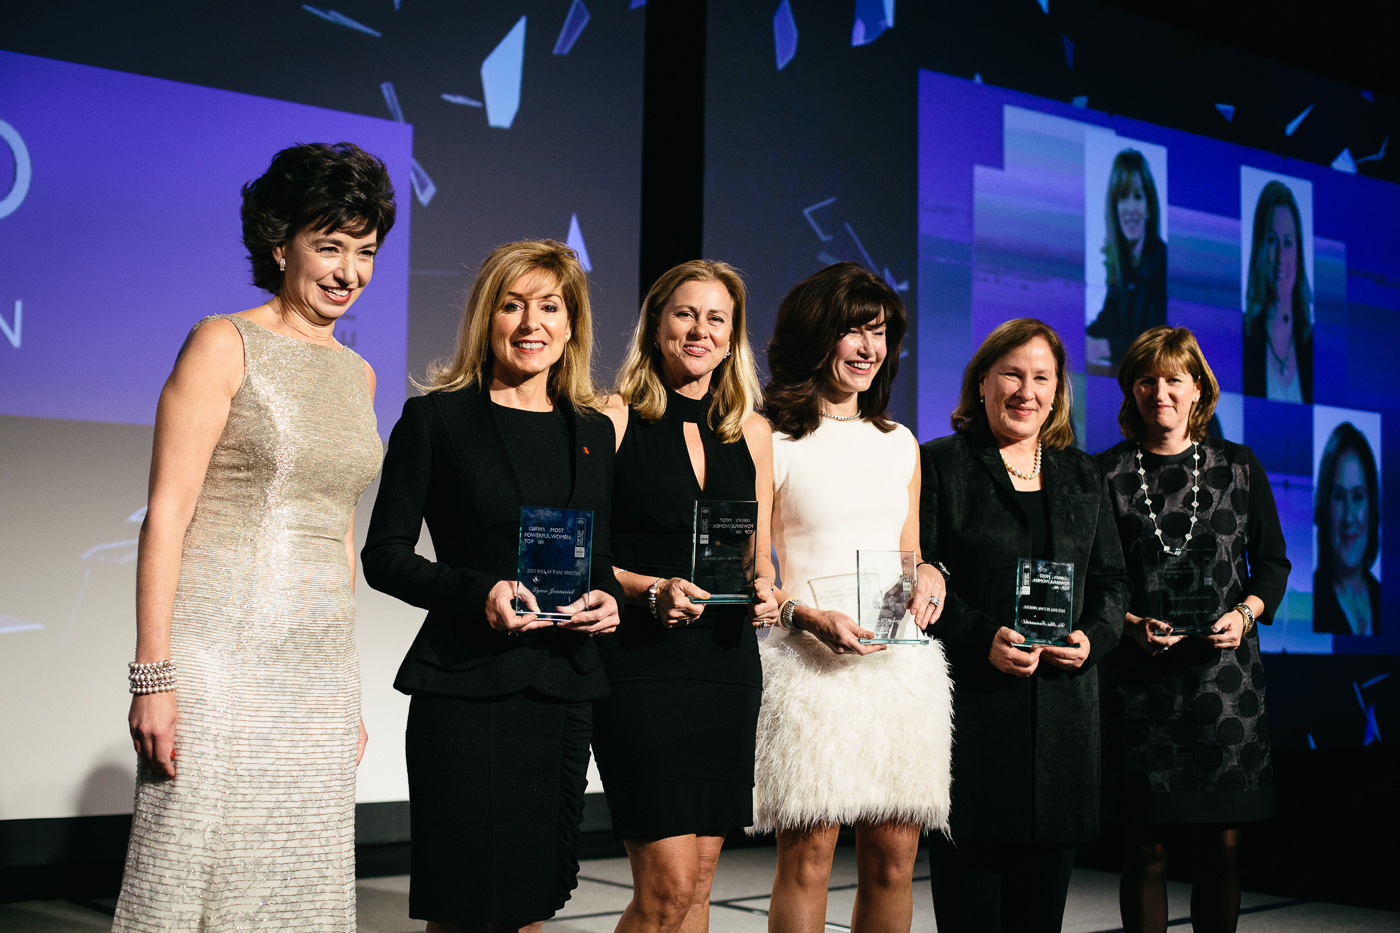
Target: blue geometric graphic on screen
point(392, 100)
point(1227, 111)
point(396, 5)
point(1069, 51)
point(1369, 96)
point(15, 329)
point(138, 516)
point(340, 19)
point(872, 18)
point(897, 286)
point(1311, 743)
point(977, 78)
point(870, 263)
point(1374, 157)
point(808, 212)
point(1044, 6)
point(461, 101)
point(573, 25)
point(1293, 124)
point(636, 3)
point(784, 34)
point(24, 170)
point(500, 77)
point(1375, 680)
point(113, 552)
point(826, 258)
point(423, 187)
point(10, 624)
point(575, 242)
point(1082, 101)
point(1344, 162)
point(1373, 731)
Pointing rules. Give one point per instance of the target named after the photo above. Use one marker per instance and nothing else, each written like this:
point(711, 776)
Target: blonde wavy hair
point(571, 377)
point(734, 388)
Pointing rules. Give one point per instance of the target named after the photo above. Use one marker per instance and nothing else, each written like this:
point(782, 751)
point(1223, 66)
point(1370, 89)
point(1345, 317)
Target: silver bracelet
point(151, 677)
point(785, 614)
point(651, 597)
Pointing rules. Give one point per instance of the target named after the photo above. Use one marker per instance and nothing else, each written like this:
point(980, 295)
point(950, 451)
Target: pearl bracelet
point(151, 677)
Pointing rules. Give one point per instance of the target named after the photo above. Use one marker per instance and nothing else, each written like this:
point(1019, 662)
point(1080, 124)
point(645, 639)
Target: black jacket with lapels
point(1025, 750)
point(448, 465)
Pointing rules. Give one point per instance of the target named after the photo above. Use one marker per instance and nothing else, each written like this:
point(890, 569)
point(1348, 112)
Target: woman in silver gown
point(246, 713)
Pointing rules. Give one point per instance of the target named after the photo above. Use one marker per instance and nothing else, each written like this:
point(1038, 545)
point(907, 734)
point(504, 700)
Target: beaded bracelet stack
point(153, 677)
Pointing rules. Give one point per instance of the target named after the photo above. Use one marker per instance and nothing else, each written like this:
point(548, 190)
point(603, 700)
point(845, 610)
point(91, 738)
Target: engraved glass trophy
point(1044, 602)
point(554, 559)
point(1185, 596)
point(722, 555)
point(874, 596)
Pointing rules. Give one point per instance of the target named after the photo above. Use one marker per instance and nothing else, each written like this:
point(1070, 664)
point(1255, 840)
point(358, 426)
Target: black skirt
point(676, 756)
point(495, 801)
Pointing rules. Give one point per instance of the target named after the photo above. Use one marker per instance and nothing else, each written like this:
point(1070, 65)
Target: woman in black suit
point(1008, 485)
point(499, 726)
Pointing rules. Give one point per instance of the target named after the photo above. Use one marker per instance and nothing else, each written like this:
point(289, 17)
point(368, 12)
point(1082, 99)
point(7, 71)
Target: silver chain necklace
point(1017, 473)
point(1195, 500)
point(827, 414)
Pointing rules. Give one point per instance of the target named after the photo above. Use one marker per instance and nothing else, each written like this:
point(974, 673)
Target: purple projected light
point(129, 233)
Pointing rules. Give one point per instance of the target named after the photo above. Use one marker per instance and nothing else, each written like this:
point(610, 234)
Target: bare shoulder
point(617, 411)
point(214, 346)
point(757, 431)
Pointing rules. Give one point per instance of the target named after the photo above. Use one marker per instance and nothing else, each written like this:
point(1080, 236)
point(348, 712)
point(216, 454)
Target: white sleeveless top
point(842, 488)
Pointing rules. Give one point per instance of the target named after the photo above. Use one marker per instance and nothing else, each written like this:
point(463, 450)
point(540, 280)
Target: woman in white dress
point(848, 733)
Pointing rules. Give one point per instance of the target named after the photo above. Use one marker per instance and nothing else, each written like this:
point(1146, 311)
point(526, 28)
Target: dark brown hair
point(316, 186)
point(1345, 436)
point(970, 416)
point(1261, 291)
point(1161, 351)
point(1120, 185)
point(812, 319)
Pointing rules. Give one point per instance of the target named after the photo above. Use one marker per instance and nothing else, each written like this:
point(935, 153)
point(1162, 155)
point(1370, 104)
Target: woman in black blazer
point(499, 725)
point(1008, 485)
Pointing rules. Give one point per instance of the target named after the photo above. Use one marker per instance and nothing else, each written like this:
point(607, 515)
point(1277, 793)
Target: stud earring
point(726, 354)
point(282, 264)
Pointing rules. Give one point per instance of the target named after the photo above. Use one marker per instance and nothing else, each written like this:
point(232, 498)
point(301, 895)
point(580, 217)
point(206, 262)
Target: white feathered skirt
point(848, 738)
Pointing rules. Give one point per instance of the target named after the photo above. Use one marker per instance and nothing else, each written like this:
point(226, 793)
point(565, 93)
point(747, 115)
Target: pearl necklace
point(827, 414)
point(1017, 473)
point(1195, 500)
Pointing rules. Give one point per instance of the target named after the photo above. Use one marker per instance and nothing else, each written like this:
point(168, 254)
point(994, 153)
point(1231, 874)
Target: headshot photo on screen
point(1125, 250)
point(1276, 240)
point(1346, 592)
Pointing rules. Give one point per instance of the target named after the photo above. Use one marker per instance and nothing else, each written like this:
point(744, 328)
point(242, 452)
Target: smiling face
point(1132, 211)
point(1350, 508)
point(1019, 391)
point(325, 273)
point(857, 358)
point(530, 329)
point(1165, 400)
point(693, 331)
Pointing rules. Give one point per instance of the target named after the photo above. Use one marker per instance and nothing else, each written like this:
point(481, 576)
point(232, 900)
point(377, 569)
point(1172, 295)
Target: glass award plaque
point(1185, 596)
point(722, 556)
point(884, 584)
point(554, 559)
point(1044, 601)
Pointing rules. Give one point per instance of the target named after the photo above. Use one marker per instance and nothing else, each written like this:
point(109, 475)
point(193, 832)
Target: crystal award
point(722, 555)
point(1185, 596)
point(1044, 601)
point(554, 559)
point(884, 585)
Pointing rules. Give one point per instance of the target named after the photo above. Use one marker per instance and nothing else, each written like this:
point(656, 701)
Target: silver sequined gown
point(257, 831)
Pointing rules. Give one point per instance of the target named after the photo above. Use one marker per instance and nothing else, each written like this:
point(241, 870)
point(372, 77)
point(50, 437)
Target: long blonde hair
point(572, 376)
point(734, 385)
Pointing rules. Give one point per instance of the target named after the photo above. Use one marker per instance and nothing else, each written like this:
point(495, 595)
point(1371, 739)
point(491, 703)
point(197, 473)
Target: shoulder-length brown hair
point(971, 414)
point(812, 319)
point(571, 377)
point(1162, 351)
point(1120, 184)
point(734, 386)
point(1261, 291)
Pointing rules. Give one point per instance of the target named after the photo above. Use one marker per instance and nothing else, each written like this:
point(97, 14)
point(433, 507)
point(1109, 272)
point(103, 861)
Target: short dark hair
point(812, 319)
point(1345, 437)
point(316, 186)
point(970, 417)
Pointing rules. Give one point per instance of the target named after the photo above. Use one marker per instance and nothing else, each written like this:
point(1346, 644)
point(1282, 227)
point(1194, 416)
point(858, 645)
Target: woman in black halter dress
point(675, 739)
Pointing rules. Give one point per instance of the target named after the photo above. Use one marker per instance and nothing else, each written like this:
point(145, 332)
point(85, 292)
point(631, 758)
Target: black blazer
point(1327, 611)
point(1026, 753)
point(448, 465)
point(1256, 352)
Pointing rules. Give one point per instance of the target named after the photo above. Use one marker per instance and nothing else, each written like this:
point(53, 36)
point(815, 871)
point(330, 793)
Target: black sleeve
point(390, 562)
point(602, 577)
point(1265, 548)
point(1106, 588)
point(967, 633)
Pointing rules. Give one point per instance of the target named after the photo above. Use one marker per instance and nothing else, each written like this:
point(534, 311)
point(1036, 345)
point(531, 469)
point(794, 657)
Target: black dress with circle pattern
point(1186, 735)
point(674, 741)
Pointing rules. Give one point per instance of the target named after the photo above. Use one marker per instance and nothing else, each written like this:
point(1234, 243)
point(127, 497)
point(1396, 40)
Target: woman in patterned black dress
point(1186, 737)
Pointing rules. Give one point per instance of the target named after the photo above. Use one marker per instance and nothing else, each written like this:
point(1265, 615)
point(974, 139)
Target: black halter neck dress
point(674, 741)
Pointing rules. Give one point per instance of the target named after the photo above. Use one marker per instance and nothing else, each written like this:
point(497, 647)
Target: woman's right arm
point(190, 417)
